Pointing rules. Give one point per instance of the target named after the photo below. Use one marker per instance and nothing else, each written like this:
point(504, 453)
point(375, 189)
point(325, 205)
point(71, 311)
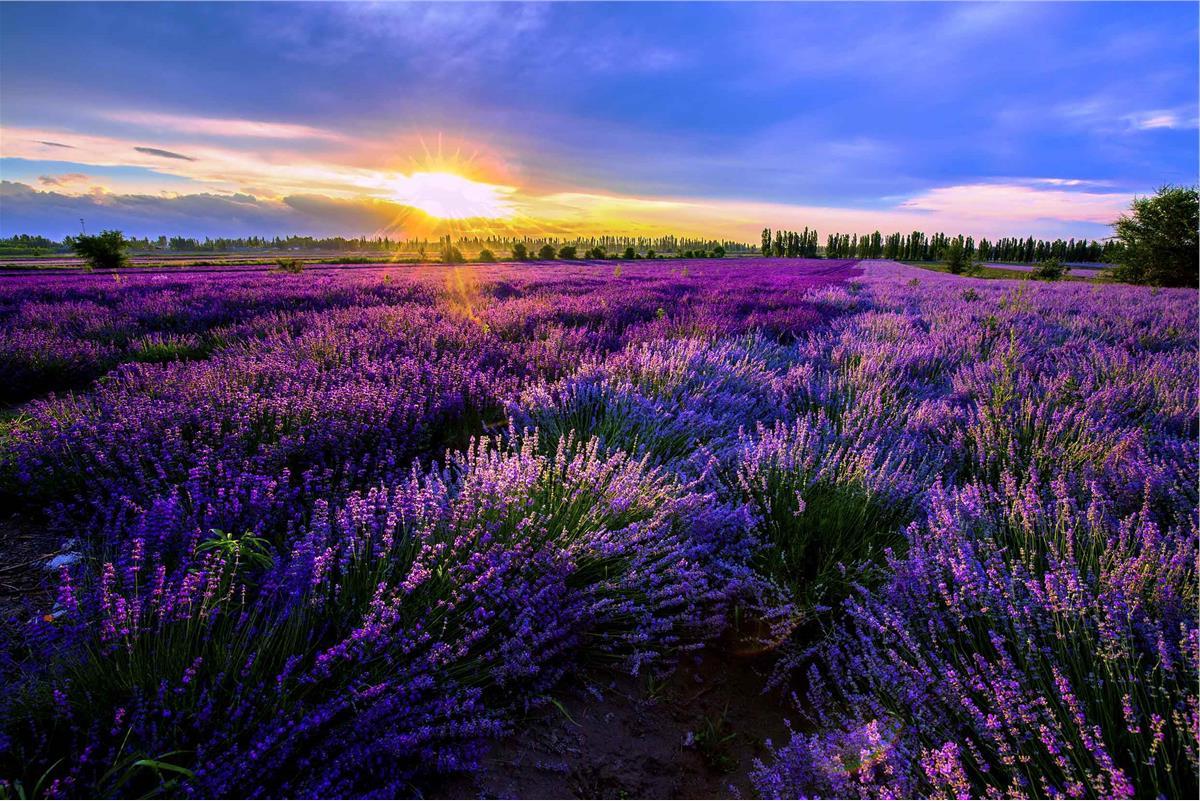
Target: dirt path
point(693, 735)
point(26, 586)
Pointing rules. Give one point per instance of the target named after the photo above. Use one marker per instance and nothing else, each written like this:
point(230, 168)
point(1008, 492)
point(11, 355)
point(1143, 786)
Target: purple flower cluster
point(1036, 635)
point(282, 596)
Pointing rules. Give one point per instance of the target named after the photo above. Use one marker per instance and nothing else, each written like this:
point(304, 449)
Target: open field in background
point(414, 530)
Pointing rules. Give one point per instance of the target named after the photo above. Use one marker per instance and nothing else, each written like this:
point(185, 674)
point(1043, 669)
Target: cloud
point(54, 144)
point(166, 154)
point(222, 127)
point(64, 179)
point(1101, 113)
point(980, 209)
point(1017, 203)
point(1170, 119)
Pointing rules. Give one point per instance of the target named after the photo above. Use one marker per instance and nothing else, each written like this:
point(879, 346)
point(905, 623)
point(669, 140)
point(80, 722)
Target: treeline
point(25, 244)
point(30, 245)
point(610, 243)
point(919, 246)
point(790, 244)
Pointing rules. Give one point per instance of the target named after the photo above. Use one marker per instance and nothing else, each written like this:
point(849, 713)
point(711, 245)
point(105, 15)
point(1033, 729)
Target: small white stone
point(63, 560)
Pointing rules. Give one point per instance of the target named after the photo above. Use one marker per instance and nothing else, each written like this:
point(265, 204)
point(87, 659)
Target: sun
point(448, 196)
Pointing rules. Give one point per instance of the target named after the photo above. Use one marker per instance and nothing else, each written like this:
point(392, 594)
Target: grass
point(992, 272)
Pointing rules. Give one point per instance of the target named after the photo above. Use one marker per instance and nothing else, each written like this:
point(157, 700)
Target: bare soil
point(26, 586)
point(695, 734)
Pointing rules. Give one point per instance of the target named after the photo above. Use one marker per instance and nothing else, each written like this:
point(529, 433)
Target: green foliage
point(546, 253)
point(718, 252)
point(714, 741)
point(630, 253)
point(1160, 238)
point(486, 255)
point(597, 253)
point(823, 521)
point(246, 549)
point(160, 348)
point(292, 266)
point(452, 255)
point(1050, 270)
point(105, 251)
point(520, 252)
point(566, 252)
point(955, 257)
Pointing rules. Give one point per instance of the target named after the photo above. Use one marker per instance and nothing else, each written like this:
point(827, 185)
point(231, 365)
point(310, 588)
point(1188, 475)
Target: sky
point(716, 119)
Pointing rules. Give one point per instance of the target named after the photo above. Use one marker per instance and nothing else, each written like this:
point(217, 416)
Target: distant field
point(213, 259)
point(1020, 271)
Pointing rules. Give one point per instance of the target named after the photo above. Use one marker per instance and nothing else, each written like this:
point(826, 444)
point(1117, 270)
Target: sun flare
point(448, 196)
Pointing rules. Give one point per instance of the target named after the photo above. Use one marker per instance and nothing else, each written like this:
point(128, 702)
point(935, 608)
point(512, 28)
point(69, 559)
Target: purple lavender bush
point(388, 643)
point(1036, 635)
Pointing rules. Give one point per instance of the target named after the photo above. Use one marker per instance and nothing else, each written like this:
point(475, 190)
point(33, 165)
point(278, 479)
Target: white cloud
point(221, 127)
point(1161, 118)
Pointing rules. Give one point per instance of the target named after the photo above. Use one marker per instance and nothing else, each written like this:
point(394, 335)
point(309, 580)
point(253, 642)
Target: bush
point(105, 251)
point(718, 252)
point(597, 253)
point(1024, 624)
point(292, 266)
point(452, 255)
point(519, 252)
point(630, 253)
point(825, 510)
point(567, 252)
point(486, 255)
point(1159, 239)
point(546, 253)
point(955, 257)
point(1050, 270)
point(395, 632)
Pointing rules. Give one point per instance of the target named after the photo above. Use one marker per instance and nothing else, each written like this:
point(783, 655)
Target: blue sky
point(720, 118)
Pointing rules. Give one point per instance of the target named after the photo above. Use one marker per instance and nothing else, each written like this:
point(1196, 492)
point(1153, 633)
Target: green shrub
point(105, 251)
point(1050, 270)
point(1159, 239)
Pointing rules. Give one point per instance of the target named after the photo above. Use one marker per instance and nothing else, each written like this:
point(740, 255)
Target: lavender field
point(337, 533)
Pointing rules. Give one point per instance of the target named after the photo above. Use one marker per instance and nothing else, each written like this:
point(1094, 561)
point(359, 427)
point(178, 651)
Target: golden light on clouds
point(407, 185)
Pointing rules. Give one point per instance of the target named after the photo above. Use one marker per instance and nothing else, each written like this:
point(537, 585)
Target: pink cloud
point(1020, 203)
point(225, 127)
point(65, 179)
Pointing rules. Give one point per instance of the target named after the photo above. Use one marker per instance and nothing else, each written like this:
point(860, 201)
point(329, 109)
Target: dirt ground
point(26, 586)
point(695, 734)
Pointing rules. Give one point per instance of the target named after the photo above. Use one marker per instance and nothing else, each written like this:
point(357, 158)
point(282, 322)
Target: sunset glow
point(612, 130)
point(450, 197)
